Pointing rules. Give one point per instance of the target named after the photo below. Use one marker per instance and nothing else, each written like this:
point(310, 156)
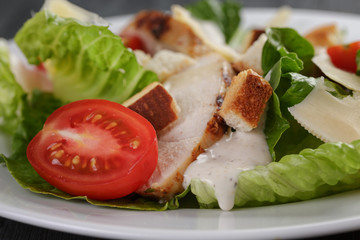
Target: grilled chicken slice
point(164, 63)
point(159, 30)
point(196, 91)
point(179, 32)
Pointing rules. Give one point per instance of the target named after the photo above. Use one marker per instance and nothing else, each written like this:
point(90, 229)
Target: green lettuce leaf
point(205, 194)
point(331, 168)
point(275, 124)
point(336, 89)
point(10, 93)
point(225, 14)
point(283, 57)
point(286, 42)
point(34, 113)
point(84, 61)
point(284, 134)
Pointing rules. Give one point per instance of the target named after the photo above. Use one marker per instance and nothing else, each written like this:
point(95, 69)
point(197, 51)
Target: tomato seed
point(54, 146)
point(96, 118)
point(93, 164)
point(57, 154)
point(134, 144)
point(120, 133)
point(111, 125)
point(76, 160)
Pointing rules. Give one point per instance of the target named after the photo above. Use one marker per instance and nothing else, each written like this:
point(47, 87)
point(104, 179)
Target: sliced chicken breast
point(196, 91)
point(159, 30)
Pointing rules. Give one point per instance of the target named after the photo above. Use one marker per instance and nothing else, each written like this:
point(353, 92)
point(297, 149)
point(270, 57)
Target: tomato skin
point(133, 42)
point(41, 67)
point(101, 158)
point(344, 56)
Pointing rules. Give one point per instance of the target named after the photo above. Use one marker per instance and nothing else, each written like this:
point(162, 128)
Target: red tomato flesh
point(95, 148)
point(344, 56)
point(133, 42)
point(41, 67)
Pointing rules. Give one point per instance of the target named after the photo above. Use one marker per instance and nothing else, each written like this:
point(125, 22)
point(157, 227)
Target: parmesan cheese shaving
point(281, 17)
point(329, 118)
point(66, 9)
point(347, 79)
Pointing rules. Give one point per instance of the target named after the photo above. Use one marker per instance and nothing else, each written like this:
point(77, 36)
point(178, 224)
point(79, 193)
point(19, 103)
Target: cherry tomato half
point(133, 42)
point(41, 67)
point(95, 148)
point(344, 56)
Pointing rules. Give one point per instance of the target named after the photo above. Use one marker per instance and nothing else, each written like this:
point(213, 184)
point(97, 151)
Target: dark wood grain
point(13, 13)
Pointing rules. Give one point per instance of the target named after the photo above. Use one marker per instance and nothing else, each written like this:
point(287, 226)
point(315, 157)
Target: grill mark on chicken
point(219, 101)
point(226, 77)
point(159, 30)
point(216, 127)
point(156, 22)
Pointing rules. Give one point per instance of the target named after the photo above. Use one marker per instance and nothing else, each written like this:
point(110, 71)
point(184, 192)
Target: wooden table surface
point(13, 13)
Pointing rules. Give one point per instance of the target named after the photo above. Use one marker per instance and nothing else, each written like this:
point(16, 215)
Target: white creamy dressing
point(220, 165)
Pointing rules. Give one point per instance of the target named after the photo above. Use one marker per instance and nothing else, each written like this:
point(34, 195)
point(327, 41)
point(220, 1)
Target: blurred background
point(13, 13)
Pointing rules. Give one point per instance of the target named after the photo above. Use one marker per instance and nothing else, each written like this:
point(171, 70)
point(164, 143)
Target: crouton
point(325, 36)
point(156, 105)
point(245, 100)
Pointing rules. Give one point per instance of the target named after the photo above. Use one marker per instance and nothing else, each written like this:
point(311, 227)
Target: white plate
point(328, 215)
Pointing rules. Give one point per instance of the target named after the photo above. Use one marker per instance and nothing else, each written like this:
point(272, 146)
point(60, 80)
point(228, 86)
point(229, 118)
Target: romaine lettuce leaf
point(284, 134)
point(295, 138)
point(10, 93)
point(329, 169)
point(300, 87)
point(35, 112)
point(84, 61)
point(275, 124)
point(283, 57)
point(225, 14)
point(286, 42)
